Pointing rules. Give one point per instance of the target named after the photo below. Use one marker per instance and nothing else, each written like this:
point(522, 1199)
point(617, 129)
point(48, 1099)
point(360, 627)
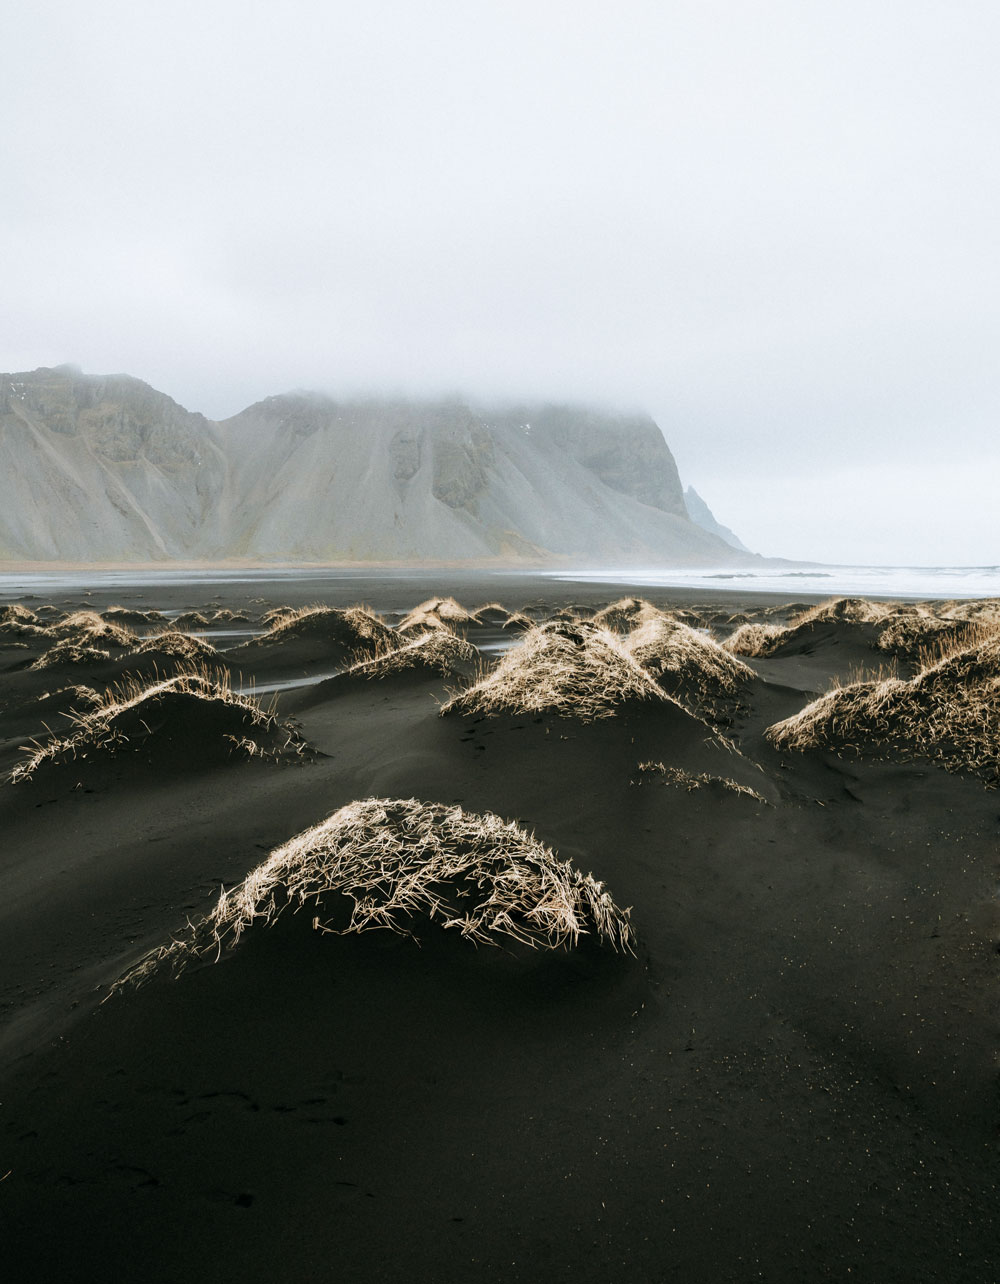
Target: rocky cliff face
point(109, 469)
point(101, 468)
point(702, 516)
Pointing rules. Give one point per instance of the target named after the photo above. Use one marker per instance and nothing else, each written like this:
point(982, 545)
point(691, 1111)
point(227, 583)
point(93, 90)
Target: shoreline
point(492, 579)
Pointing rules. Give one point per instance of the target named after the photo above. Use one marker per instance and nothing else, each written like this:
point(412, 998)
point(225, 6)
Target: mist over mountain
point(702, 516)
point(106, 468)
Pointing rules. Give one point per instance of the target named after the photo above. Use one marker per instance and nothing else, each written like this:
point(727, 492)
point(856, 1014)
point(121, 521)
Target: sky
point(773, 226)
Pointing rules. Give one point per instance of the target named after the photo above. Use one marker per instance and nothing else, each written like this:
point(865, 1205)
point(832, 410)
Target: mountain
point(702, 516)
point(108, 469)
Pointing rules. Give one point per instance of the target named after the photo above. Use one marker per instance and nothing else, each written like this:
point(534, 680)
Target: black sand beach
point(794, 1076)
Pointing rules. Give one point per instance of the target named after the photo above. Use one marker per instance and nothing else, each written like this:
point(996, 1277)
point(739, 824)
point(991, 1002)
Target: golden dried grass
point(622, 616)
point(69, 651)
point(497, 615)
point(438, 651)
point(15, 617)
point(755, 639)
point(433, 613)
point(572, 670)
point(225, 616)
point(948, 713)
point(88, 628)
point(400, 862)
point(761, 640)
point(133, 707)
point(84, 696)
point(689, 781)
point(985, 609)
point(971, 633)
point(176, 646)
point(686, 663)
point(907, 635)
point(130, 616)
point(356, 627)
point(843, 610)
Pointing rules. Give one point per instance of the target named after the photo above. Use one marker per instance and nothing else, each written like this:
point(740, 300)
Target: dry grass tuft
point(130, 617)
point(755, 639)
point(843, 610)
point(622, 616)
point(688, 781)
point(225, 616)
point(984, 609)
point(191, 620)
point(687, 664)
point(971, 633)
point(16, 617)
point(400, 861)
point(761, 640)
point(573, 670)
point(70, 652)
point(132, 715)
point(84, 697)
point(496, 615)
point(356, 627)
point(88, 629)
point(948, 713)
point(176, 646)
point(276, 614)
point(434, 613)
point(860, 673)
point(438, 651)
point(906, 635)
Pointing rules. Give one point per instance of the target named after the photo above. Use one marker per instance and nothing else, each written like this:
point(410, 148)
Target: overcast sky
point(773, 225)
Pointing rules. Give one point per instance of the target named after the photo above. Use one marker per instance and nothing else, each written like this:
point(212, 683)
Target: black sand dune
point(794, 1078)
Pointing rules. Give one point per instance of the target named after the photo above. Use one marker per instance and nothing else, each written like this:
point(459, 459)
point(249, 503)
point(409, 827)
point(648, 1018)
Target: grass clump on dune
point(622, 616)
point(83, 696)
point(435, 612)
point(843, 610)
point(684, 662)
point(905, 636)
point(437, 651)
point(131, 617)
point(20, 621)
point(192, 718)
point(756, 640)
point(69, 651)
point(225, 616)
point(176, 646)
point(446, 612)
point(21, 626)
point(356, 627)
point(495, 615)
point(573, 670)
point(401, 863)
point(689, 781)
point(948, 713)
point(275, 615)
point(191, 620)
point(761, 640)
point(88, 629)
point(926, 639)
point(986, 610)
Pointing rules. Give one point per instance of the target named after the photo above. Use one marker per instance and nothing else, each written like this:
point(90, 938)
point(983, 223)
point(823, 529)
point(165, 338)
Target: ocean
point(919, 583)
point(903, 582)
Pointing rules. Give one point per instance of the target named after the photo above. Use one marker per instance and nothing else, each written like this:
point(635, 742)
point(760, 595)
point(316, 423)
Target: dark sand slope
point(794, 1078)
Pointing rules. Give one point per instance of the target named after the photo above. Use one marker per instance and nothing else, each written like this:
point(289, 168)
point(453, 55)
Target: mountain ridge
point(702, 516)
point(107, 468)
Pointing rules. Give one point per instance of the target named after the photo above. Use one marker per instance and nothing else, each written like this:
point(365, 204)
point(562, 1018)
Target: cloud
point(772, 225)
